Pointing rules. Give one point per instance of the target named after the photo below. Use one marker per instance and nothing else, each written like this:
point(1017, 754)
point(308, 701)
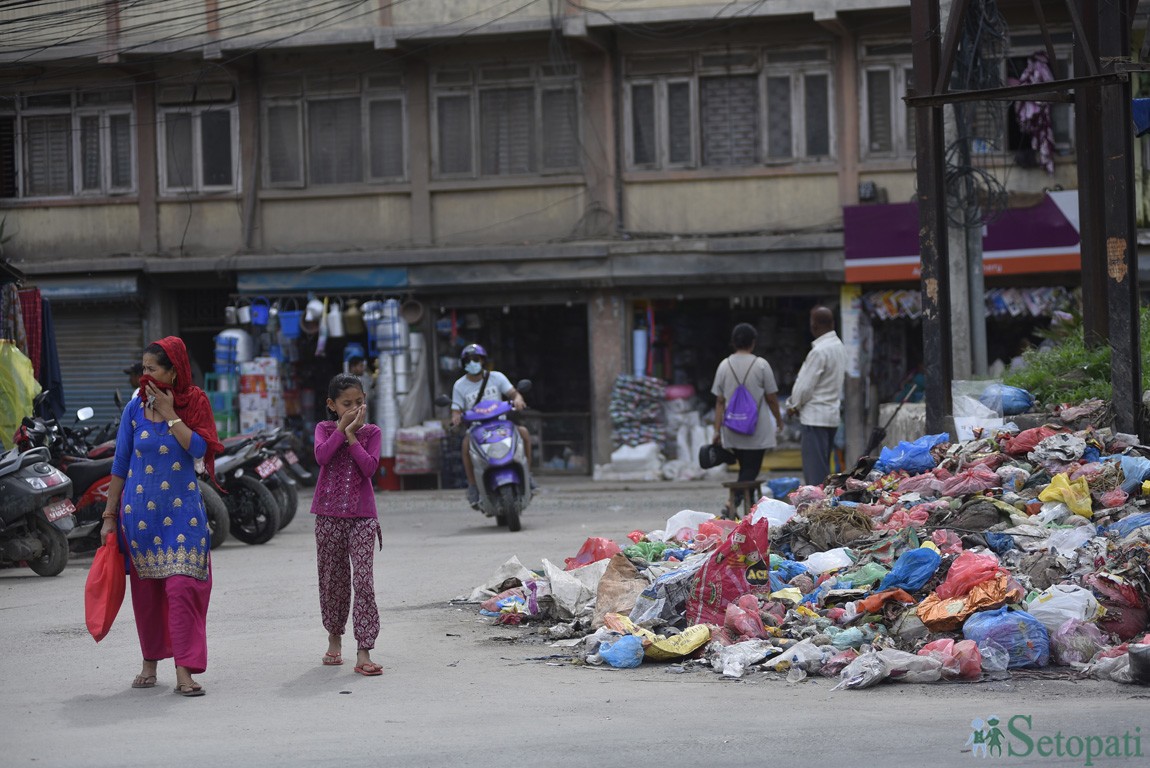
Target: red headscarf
point(191, 403)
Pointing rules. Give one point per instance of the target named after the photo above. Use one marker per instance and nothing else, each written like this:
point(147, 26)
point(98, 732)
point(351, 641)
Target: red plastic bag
point(959, 660)
point(742, 618)
point(974, 480)
point(723, 578)
point(968, 571)
point(1024, 441)
point(1126, 614)
point(596, 548)
point(104, 589)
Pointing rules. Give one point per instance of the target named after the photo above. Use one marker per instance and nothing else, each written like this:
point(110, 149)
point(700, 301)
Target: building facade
point(544, 177)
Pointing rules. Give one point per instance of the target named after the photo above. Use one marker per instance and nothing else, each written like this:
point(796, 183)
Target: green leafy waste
point(1068, 372)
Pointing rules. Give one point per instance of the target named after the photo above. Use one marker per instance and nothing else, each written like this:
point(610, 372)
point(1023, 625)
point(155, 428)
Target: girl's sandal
point(332, 659)
point(369, 669)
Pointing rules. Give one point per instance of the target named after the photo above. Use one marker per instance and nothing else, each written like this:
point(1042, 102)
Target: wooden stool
point(750, 492)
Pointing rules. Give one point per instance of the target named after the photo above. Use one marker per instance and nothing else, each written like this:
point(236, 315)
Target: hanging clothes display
point(12, 318)
point(50, 377)
point(30, 311)
point(17, 389)
point(1034, 117)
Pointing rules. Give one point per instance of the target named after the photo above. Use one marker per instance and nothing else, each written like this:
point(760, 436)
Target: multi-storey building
point(544, 176)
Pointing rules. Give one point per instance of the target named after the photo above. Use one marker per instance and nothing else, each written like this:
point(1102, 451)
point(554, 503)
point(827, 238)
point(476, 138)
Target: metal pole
point(931, 197)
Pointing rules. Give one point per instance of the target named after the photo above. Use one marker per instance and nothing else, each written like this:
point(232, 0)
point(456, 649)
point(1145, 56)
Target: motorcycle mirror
point(85, 413)
point(443, 401)
point(523, 386)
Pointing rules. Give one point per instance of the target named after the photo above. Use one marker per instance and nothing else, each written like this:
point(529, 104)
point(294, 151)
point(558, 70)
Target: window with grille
point(887, 123)
point(728, 109)
point(506, 121)
point(198, 148)
point(326, 131)
point(65, 144)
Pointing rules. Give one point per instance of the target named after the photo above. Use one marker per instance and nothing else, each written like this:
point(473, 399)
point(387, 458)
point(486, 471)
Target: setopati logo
point(1017, 736)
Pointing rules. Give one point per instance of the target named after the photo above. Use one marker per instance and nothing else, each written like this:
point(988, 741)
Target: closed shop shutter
point(95, 345)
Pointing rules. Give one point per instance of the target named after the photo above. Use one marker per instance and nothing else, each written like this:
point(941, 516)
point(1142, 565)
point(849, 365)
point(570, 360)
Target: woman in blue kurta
point(166, 431)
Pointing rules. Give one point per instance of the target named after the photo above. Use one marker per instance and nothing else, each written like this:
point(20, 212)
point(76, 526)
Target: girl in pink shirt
point(346, 525)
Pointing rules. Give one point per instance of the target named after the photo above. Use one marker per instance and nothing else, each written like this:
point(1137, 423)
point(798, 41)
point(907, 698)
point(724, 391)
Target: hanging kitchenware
point(353, 319)
point(335, 320)
point(315, 309)
point(260, 310)
point(244, 312)
point(230, 314)
point(290, 316)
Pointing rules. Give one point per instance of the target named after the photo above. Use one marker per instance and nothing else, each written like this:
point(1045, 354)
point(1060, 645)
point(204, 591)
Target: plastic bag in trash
point(595, 548)
point(1055, 605)
point(1128, 525)
point(959, 660)
point(875, 666)
point(1135, 469)
point(1076, 642)
point(1025, 639)
point(995, 659)
point(776, 512)
point(912, 570)
point(968, 570)
point(1075, 495)
point(1012, 400)
point(912, 458)
point(831, 560)
point(781, 486)
point(733, 660)
point(624, 653)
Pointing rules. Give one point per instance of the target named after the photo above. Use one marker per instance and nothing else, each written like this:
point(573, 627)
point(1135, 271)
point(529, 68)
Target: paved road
point(457, 691)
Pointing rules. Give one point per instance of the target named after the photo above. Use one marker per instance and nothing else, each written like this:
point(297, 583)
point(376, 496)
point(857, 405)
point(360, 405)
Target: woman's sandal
point(332, 659)
point(369, 669)
point(189, 689)
point(144, 681)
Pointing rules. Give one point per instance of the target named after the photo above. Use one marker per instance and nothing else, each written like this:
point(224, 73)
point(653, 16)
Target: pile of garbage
point(1026, 549)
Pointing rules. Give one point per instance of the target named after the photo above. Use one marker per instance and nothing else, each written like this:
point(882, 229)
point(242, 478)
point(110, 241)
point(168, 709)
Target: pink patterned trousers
point(345, 553)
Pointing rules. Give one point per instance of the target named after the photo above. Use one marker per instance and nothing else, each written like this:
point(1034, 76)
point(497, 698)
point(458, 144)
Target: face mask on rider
point(473, 367)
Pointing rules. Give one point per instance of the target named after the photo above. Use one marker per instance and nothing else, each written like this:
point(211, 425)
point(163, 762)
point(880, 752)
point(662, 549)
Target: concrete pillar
point(147, 180)
point(607, 321)
point(419, 152)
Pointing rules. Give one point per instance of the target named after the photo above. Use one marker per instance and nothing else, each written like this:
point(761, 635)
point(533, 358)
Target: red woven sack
point(104, 589)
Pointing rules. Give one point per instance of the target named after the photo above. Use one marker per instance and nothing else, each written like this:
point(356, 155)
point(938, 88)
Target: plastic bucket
point(289, 320)
point(260, 310)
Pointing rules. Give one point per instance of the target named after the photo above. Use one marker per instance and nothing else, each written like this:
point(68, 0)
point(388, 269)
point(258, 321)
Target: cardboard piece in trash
point(618, 589)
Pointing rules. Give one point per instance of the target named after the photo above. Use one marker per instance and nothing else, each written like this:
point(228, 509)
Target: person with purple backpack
point(747, 416)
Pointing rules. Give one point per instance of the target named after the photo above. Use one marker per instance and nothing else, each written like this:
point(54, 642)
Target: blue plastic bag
point(999, 542)
point(912, 570)
point(913, 458)
point(624, 653)
point(1135, 469)
point(781, 486)
point(1023, 636)
point(1128, 525)
point(1014, 400)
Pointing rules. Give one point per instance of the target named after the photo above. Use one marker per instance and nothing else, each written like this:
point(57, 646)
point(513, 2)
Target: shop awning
point(880, 242)
point(364, 279)
point(89, 287)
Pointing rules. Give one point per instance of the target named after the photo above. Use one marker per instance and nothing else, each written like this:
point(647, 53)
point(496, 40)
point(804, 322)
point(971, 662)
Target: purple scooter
point(499, 459)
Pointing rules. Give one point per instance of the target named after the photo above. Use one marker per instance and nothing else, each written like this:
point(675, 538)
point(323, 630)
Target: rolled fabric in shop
point(402, 383)
point(415, 340)
point(401, 363)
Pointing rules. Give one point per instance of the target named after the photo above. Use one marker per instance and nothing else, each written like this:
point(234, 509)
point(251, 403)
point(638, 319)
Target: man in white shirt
point(817, 396)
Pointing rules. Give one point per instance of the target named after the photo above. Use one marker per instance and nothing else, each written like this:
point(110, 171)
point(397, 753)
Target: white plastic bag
point(776, 512)
point(1068, 540)
point(687, 518)
point(831, 560)
point(803, 654)
point(1054, 605)
point(733, 660)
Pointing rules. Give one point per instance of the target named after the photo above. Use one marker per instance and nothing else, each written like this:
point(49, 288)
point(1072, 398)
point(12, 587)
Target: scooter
point(499, 459)
point(35, 512)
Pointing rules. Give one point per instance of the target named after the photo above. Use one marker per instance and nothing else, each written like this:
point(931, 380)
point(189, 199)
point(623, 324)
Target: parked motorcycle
point(91, 477)
point(35, 512)
point(499, 458)
point(252, 508)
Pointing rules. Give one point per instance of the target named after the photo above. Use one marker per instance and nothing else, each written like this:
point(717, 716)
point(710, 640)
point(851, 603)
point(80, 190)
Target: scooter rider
point(474, 386)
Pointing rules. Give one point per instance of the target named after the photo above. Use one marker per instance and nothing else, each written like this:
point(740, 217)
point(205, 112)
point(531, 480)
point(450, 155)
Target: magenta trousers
point(345, 554)
point(172, 618)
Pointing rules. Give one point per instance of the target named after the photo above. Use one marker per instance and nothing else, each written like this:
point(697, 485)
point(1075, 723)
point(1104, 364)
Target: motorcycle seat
point(84, 473)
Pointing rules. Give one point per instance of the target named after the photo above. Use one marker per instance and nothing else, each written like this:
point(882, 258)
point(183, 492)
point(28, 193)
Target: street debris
point(1019, 549)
